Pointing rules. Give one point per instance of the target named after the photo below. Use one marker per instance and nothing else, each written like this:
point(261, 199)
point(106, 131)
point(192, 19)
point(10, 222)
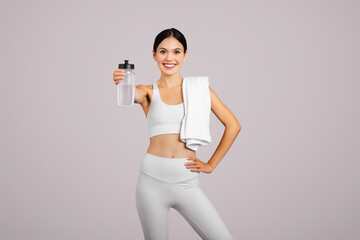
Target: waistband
point(169, 170)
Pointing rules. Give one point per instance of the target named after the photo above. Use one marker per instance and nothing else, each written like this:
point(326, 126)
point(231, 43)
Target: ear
point(185, 56)
point(153, 54)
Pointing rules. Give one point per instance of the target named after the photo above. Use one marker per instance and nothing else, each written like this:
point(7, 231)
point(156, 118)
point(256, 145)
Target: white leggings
point(165, 183)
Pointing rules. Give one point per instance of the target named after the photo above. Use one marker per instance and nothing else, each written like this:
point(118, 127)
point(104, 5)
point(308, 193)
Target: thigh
point(152, 207)
point(193, 204)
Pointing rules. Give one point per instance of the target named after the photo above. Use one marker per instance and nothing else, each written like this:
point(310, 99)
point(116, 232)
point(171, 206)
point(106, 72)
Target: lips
point(169, 66)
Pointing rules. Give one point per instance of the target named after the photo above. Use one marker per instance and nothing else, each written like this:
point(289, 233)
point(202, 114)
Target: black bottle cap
point(126, 65)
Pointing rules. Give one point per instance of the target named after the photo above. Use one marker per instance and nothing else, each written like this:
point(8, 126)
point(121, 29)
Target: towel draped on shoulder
point(195, 126)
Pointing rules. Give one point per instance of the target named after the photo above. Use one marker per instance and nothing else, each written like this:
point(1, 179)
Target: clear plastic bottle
point(126, 87)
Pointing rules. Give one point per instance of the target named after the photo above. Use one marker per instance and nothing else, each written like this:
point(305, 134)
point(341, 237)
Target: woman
point(169, 172)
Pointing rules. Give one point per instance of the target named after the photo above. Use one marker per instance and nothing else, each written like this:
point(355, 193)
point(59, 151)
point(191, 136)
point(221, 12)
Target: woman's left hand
point(196, 165)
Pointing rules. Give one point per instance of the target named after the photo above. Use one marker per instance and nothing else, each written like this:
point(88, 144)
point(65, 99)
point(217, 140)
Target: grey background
point(288, 70)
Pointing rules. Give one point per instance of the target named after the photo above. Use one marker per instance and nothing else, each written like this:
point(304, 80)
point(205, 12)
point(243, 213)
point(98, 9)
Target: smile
point(169, 66)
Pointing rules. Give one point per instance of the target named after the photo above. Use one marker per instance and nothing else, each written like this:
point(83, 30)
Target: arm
point(140, 93)
point(232, 129)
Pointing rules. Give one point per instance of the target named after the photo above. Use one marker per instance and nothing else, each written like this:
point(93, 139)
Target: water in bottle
point(126, 87)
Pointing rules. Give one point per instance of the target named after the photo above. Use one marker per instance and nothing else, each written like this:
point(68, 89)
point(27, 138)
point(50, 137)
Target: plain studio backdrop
point(288, 70)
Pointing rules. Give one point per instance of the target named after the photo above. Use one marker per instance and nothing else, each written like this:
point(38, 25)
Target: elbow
point(234, 126)
point(237, 126)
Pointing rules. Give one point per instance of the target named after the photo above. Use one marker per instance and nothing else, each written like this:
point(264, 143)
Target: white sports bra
point(163, 118)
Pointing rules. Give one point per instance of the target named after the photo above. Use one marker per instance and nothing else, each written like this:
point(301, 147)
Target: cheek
point(180, 58)
point(159, 59)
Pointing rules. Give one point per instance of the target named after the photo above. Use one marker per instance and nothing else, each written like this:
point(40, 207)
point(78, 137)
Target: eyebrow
point(166, 49)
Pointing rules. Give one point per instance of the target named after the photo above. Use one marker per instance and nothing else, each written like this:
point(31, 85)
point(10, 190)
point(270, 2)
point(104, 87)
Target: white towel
point(195, 126)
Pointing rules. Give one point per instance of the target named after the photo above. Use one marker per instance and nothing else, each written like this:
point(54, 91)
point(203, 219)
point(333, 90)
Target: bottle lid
point(126, 65)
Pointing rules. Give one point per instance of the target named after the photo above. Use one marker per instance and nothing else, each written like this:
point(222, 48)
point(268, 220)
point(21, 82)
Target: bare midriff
point(170, 146)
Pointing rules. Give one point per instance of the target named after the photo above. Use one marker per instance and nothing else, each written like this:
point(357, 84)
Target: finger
point(191, 164)
point(191, 160)
point(119, 74)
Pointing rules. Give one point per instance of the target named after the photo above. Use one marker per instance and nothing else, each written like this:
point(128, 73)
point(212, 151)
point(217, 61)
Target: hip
point(166, 169)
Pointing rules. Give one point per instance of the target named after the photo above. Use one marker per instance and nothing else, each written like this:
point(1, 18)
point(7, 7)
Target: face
point(170, 52)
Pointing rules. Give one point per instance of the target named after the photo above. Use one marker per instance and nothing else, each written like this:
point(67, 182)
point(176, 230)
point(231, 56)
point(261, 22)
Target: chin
point(169, 74)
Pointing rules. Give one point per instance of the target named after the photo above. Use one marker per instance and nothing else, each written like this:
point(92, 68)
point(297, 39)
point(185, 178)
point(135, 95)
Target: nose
point(168, 56)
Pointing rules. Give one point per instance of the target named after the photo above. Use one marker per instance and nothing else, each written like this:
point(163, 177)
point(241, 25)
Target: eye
point(162, 51)
point(177, 51)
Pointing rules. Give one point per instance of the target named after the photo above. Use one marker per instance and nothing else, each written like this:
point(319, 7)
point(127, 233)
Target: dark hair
point(168, 33)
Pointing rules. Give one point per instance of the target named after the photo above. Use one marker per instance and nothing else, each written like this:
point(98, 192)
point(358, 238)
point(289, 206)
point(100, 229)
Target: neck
point(170, 81)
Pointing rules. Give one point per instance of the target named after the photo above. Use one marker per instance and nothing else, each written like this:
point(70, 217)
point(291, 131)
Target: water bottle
point(126, 87)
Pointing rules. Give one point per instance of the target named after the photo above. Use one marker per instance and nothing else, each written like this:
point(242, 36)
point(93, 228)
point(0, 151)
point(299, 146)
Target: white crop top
point(163, 118)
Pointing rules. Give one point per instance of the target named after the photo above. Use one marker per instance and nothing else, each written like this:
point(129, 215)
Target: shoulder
point(145, 88)
point(143, 93)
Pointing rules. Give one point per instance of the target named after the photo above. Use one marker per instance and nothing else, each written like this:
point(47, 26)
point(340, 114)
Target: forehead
point(170, 43)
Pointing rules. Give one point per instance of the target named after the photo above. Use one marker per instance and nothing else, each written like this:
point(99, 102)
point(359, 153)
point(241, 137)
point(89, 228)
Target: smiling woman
point(169, 174)
point(172, 51)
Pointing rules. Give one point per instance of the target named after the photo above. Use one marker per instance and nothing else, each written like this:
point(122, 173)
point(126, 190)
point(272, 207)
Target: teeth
point(169, 65)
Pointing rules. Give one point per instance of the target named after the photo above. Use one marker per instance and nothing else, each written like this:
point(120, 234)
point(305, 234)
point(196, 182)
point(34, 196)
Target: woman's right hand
point(118, 75)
